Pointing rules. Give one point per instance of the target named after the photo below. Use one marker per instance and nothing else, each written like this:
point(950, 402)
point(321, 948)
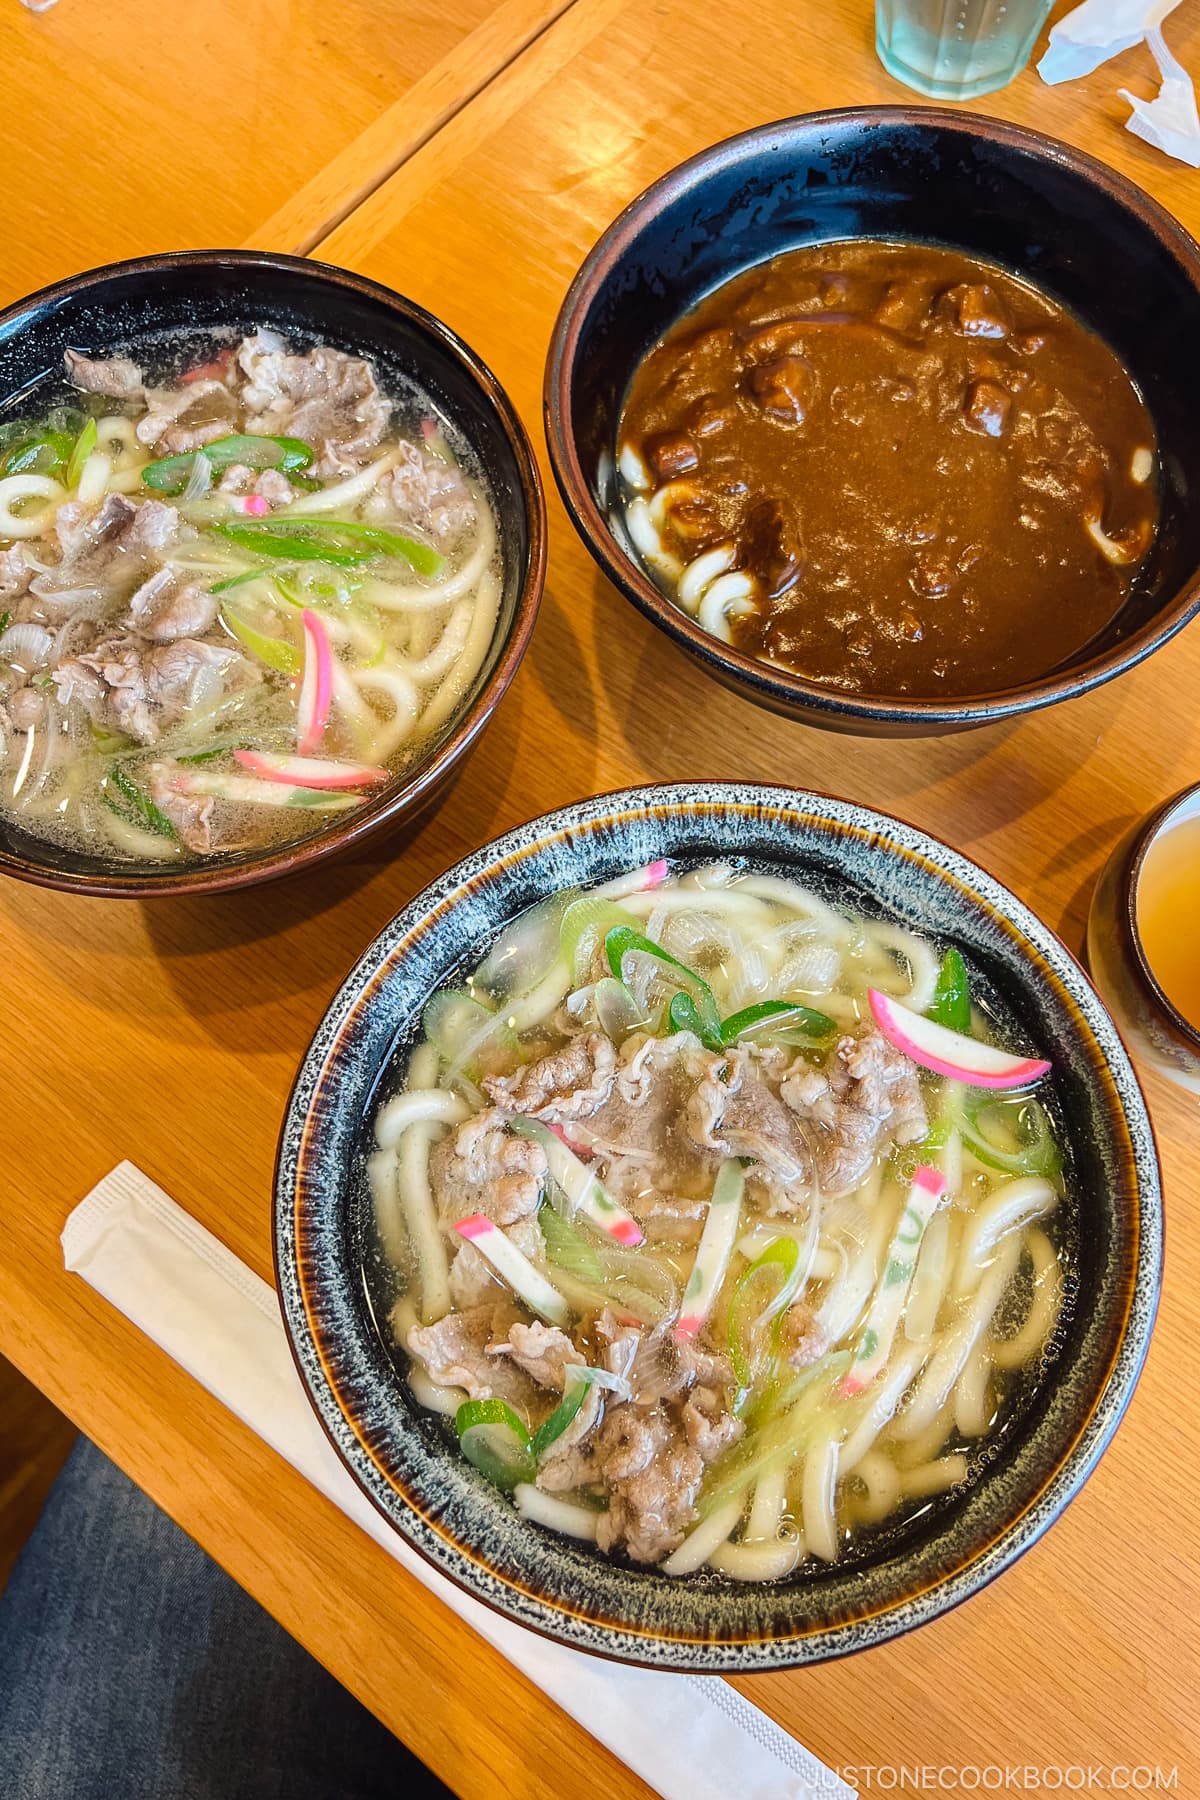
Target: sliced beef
point(15, 572)
point(142, 689)
point(455, 1351)
point(544, 1352)
point(117, 542)
point(736, 1113)
point(652, 1475)
point(665, 1219)
point(186, 418)
point(802, 1341)
point(81, 531)
point(425, 491)
point(869, 1094)
point(664, 1369)
point(708, 1367)
point(643, 1122)
point(620, 1342)
point(570, 1466)
point(481, 1168)
point(26, 708)
point(114, 376)
point(569, 1084)
point(645, 1456)
point(326, 398)
point(651, 1461)
point(274, 487)
point(271, 485)
point(164, 608)
point(154, 527)
point(708, 1425)
point(881, 1080)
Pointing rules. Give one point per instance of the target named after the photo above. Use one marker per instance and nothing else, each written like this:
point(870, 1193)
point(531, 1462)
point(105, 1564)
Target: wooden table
point(134, 125)
point(169, 1033)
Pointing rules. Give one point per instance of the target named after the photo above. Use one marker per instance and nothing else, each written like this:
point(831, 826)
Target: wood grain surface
point(135, 126)
point(169, 1033)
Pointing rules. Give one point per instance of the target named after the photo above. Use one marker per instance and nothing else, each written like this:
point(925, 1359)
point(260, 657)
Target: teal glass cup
point(957, 49)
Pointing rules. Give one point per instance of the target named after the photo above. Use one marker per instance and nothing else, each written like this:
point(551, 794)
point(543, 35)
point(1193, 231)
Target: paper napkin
point(689, 1737)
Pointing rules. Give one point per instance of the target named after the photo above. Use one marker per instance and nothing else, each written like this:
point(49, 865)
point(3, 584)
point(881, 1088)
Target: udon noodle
point(702, 1259)
point(232, 602)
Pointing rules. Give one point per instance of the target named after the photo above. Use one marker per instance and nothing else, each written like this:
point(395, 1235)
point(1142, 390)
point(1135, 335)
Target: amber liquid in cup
point(1168, 915)
point(1143, 944)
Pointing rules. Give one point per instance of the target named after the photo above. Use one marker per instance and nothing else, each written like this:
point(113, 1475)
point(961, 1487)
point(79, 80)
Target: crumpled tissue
point(1100, 29)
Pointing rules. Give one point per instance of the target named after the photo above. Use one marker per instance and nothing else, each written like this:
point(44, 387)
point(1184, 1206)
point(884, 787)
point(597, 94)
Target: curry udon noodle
point(724, 1222)
point(234, 601)
point(892, 468)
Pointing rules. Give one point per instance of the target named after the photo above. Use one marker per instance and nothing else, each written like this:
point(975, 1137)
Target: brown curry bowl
point(1046, 211)
point(189, 293)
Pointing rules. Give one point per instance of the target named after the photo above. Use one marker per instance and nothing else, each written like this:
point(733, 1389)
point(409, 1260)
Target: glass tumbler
point(957, 49)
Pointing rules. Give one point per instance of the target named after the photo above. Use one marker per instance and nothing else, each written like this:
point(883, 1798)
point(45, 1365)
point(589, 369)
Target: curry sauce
point(932, 477)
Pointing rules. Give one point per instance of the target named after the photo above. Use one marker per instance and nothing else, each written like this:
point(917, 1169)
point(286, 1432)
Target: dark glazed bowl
point(188, 294)
point(1052, 214)
point(407, 1460)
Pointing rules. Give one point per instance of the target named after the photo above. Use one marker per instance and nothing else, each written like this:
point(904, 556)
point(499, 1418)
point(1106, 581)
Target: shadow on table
point(1086, 850)
point(301, 936)
point(680, 723)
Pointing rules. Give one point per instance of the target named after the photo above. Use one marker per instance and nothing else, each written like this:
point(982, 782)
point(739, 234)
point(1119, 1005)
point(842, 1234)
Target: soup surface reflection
point(892, 468)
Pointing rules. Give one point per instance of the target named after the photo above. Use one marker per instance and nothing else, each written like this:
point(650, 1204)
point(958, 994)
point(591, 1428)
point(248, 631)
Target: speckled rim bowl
point(1054, 215)
point(405, 1459)
point(188, 293)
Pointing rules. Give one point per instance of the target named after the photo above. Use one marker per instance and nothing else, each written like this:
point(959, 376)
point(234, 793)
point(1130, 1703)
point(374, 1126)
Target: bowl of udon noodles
point(271, 549)
point(850, 407)
point(718, 1226)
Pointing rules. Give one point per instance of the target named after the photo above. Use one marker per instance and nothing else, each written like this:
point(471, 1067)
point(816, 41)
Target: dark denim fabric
point(133, 1668)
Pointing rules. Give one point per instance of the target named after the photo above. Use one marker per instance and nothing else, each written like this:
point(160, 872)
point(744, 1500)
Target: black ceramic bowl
point(1052, 214)
point(188, 294)
point(407, 1460)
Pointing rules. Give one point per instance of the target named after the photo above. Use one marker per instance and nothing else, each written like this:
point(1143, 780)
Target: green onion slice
point(583, 924)
point(951, 1003)
point(343, 542)
point(85, 443)
point(169, 474)
point(778, 1014)
point(760, 1298)
point(551, 1429)
point(703, 1016)
point(495, 1441)
point(567, 1248)
point(275, 652)
point(42, 453)
point(123, 796)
